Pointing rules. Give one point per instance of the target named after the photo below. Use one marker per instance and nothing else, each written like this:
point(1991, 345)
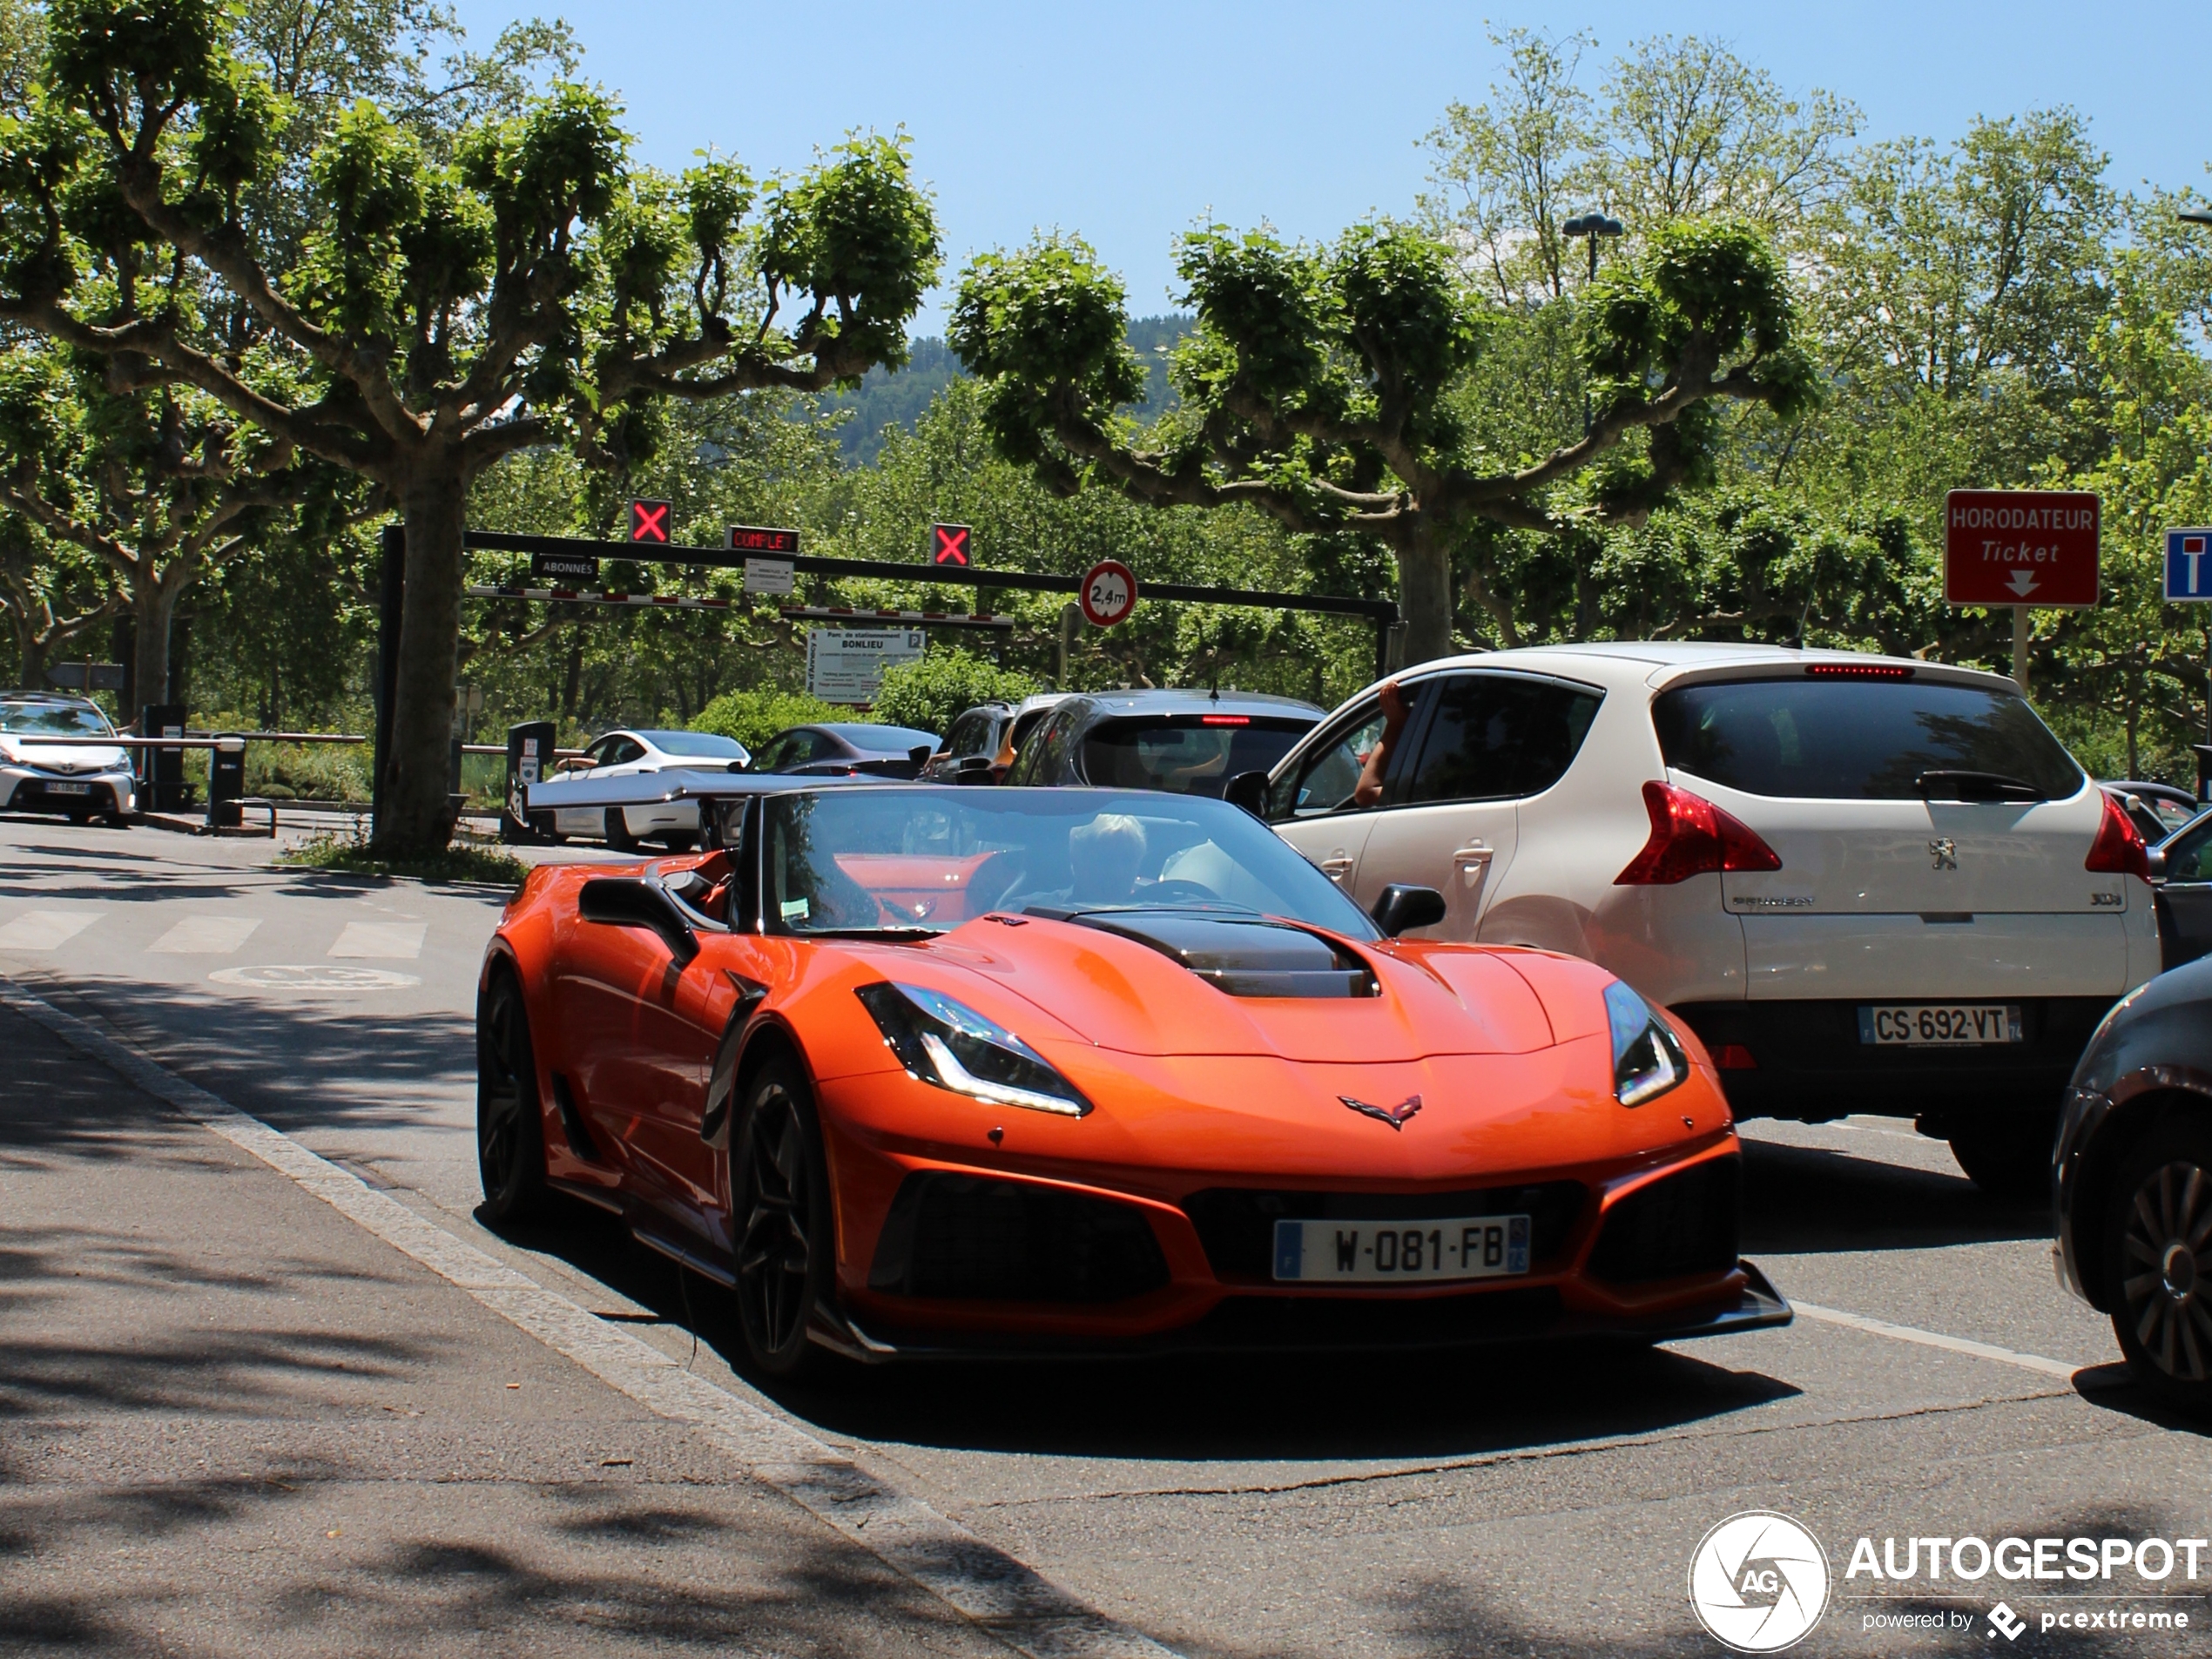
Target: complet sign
point(2020, 547)
point(756, 538)
point(846, 665)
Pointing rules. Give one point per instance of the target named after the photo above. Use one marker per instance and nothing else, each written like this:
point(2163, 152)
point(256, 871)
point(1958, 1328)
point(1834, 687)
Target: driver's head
point(1106, 855)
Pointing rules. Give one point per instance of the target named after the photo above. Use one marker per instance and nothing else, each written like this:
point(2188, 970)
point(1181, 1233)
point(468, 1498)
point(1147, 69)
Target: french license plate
point(69, 789)
point(1938, 1025)
point(1398, 1252)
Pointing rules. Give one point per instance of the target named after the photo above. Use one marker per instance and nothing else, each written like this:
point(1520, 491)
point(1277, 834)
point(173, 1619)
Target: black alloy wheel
point(617, 833)
point(2158, 1252)
point(780, 1213)
point(510, 1128)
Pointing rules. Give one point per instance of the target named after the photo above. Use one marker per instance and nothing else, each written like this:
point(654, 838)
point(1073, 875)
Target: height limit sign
point(1108, 593)
point(2020, 547)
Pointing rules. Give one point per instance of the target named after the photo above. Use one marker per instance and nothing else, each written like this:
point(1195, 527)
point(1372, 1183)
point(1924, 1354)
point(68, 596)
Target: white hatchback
point(1868, 884)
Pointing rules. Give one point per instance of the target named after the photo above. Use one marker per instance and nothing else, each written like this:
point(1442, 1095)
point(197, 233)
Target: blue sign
point(2189, 565)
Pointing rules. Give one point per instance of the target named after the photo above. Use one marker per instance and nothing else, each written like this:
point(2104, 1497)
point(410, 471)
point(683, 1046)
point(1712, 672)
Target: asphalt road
point(1936, 1384)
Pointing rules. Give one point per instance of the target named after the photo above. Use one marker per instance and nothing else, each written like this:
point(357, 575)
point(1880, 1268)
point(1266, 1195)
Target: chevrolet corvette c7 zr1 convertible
point(925, 1071)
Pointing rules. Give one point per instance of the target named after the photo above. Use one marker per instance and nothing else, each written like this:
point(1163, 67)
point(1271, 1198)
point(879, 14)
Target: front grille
point(972, 1238)
point(32, 794)
point(1236, 1224)
point(1293, 1322)
point(1681, 1225)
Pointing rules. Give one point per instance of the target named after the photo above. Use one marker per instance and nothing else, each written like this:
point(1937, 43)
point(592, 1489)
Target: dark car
point(1190, 743)
point(838, 750)
point(2133, 1171)
point(2181, 870)
point(2157, 809)
point(988, 736)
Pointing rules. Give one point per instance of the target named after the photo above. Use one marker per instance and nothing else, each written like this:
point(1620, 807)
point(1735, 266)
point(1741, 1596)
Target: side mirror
point(920, 755)
point(976, 769)
point(1400, 907)
point(1248, 790)
point(2156, 858)
point(625, 902)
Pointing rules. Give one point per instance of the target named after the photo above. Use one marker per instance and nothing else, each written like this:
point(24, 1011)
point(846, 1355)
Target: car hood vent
point(1241, 955)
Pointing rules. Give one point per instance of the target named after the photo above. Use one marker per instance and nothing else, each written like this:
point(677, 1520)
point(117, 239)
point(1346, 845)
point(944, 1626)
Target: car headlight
point(1647, 1059)
point(949, 1044)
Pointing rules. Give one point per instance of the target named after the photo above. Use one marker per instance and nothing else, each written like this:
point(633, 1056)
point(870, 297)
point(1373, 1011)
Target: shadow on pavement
point(1803, 1199)
point(1211, 1409)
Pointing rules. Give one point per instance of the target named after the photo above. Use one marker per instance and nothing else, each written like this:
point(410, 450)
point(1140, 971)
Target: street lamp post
point(1592, 225)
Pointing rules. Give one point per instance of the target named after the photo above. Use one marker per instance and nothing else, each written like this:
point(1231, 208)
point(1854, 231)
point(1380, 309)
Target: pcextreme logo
point(1758, 1582)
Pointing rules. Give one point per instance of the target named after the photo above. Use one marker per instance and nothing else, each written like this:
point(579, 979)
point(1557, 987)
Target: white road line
point(981, 1582)
point(381, 939)
point(1937, 1339)
point(45, 929)
point(207, 935)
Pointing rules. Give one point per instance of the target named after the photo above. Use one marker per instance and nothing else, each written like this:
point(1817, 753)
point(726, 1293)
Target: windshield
point(899, 860)
point(54, 720)
point(1857, 739)
point(1188, 754)
point(697, 743)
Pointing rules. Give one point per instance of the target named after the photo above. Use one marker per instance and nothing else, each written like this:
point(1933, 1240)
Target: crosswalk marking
point(381, 939)
point(45, 929)
point(207, 935)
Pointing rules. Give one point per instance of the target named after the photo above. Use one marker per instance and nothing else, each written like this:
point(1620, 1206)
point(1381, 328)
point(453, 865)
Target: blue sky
point(1125, 123)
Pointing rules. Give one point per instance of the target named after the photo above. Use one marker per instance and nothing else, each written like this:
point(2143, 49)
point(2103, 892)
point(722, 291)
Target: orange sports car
point(920, 1071)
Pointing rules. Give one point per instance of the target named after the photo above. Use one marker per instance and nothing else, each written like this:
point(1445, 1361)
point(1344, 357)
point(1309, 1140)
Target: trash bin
point(529, 757)
point(161, 772)
point(225, 781)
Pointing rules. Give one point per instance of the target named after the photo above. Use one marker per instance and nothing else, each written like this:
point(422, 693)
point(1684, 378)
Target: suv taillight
point(2119, 847)
point(1691, 836)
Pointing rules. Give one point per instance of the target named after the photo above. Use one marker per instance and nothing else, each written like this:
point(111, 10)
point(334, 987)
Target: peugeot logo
point(1393, 1116)
point(1945, 852)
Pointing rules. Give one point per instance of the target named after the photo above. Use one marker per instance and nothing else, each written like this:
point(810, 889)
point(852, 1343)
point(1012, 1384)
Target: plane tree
point(537, 287)
point(1319, 387)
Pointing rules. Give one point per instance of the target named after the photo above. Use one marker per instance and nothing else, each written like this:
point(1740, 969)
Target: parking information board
point(846, 665)
point(2188, 571)
point(2020, 547)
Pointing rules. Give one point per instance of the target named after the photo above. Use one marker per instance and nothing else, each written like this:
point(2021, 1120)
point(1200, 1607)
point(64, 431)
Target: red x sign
point(648, 521)
point(948, 544)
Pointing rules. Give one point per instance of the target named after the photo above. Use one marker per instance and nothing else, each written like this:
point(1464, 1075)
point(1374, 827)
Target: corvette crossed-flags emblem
point(1393, 1116)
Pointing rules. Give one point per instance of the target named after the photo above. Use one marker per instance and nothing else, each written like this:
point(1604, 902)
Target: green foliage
point(752, 718)
point(931, 693)
point(464, 865)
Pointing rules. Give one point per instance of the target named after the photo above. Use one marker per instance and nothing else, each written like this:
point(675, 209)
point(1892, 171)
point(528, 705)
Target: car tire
point(79, 820)
point(781, 1223)
point(2159, 1284)
point(2009, 1159)
point(618, 831)
point(510, 1122)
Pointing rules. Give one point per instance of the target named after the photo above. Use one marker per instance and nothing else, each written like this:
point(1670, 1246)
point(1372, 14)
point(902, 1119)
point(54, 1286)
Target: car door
point(1310, 802)
point(2185, 896)
point(587, 820)
point(1484, 742)
point(640, 1032)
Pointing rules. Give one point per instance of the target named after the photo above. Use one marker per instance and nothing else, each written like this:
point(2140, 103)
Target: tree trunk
point(31, 671)
point(1424, 597)
point(418, 813)
point(153, 608)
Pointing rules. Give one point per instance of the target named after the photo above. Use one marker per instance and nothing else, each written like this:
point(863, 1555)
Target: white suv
point(1869, 884)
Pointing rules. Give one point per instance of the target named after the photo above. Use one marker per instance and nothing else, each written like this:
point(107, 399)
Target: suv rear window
point(1849, 739)
point(1185, 755)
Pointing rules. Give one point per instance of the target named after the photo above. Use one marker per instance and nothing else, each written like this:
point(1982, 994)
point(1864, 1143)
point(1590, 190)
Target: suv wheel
point(2158, 1253)
point(2007, 1158)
